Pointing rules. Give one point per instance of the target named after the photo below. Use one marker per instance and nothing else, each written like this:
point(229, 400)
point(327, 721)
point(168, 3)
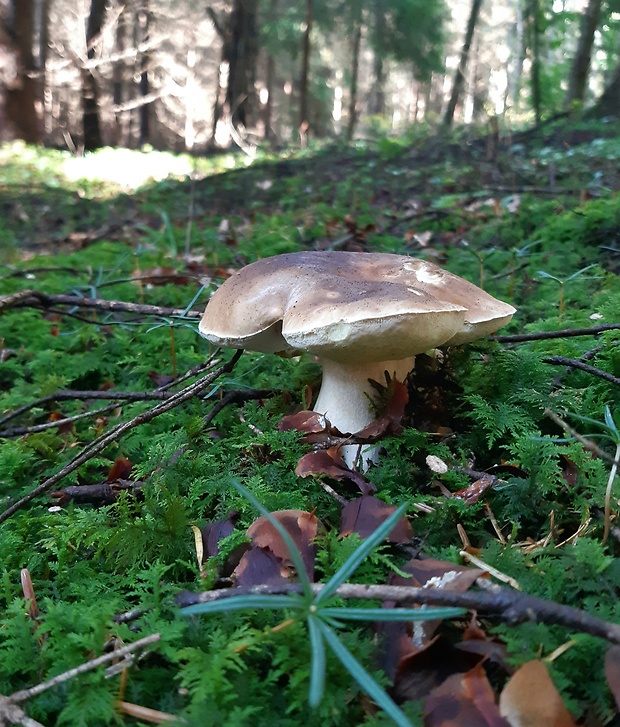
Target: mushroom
point(362, 314)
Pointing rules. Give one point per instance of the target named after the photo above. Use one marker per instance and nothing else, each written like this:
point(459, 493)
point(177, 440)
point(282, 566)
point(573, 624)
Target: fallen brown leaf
point(366, 513)
point(463, 700)
point(329, 462)
point(530, 699)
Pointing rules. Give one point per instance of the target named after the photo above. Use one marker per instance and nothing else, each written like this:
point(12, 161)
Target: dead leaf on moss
point(215, 531)
point(463, 700)
point(120, 470)
point(259, 566)
point(303, 528)
point(366, 513)
point(530, 699)
point(329, 462)
point(472, 493)
point(612, 672)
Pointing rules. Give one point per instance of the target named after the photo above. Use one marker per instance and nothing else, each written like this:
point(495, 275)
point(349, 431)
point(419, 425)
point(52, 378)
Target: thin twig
point(25, 694)
point(100, 443)
point(510, 606)
point(548, 335)
point(574, 363)
point(587, 443)
point(21, 431)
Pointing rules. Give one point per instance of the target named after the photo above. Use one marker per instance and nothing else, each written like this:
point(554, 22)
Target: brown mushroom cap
point(348, 307)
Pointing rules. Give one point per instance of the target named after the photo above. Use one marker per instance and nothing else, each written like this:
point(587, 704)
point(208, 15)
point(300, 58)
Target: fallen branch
point(573, 363)
point(25, 694)
point(100, 443)
point(587, 443)
point(508, 605)
point(36, 299)
point(548, 335)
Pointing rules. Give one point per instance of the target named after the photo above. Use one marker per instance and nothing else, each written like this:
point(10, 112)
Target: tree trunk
point(143, 19)
point(119, 76)
point(241, 93)
point(459, 78)
point(90, 92)
point(377, 98)
point(581, 63)
point(270, 74)
point(533, 15)
point(609, 102)
point(355, 62)
point(19, 86)
point(304, 122)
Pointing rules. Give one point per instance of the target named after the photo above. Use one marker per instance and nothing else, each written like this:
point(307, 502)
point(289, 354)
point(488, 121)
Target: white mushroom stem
point(346, 398)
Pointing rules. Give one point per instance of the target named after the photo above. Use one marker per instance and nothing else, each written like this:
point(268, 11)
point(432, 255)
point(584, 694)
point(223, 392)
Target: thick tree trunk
point(304, 121)
point(581, 63)
point(90, 92)
point(355, 63)
point(459, 78)
point(609, 102)
point(19, 85)
point(241, 93)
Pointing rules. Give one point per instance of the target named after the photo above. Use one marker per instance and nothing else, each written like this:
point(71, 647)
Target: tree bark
point(304, 121)
point(609, 102)
point(19, 85)
point(377, 99)
point(143, 21)
point(119, 76)
point(355, 62)
point(459, 78)
point(534, 42)
point(241, 93)
point(581, 63)
point(90, 92)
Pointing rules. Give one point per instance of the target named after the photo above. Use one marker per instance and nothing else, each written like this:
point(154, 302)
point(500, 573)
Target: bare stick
point(547, 335)
point(508, 605)
point(20, 431)
point(576, 364)
point(24, 694)
point(102, 442)
point(36, 299)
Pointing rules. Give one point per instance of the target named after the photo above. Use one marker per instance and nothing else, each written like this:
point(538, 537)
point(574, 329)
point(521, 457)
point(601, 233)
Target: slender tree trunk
point(17, 72)
point(534, 33)
point(304, 121)
point(119, 76)
point(377, 99)
point(90, 93)
point(270, 80)
point(43, 91)
point(581, 63)
point(355, 63)
point(143, 22)
point(459, 78)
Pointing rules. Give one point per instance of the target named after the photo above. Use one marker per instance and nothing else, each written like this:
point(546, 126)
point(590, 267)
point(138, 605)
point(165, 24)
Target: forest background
point(196, 76)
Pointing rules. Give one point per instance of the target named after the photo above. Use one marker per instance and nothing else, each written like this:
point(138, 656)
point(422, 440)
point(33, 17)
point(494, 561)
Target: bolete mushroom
point(362, 314)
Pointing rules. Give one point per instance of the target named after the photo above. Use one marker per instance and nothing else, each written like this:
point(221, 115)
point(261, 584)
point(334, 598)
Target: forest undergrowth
point(134, 457)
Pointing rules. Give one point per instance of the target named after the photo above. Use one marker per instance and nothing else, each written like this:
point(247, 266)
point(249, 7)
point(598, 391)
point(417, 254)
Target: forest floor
point(134, 456)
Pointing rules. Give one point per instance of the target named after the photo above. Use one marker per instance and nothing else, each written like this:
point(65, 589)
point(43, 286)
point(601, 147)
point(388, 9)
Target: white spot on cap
point(425, 275)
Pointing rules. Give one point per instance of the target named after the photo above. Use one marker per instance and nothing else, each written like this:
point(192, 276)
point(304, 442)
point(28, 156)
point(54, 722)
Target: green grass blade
point(392, 614)
point(317, 670)
point(237, 603)
point(363, 678)
point(290, 543)
point(354, 560)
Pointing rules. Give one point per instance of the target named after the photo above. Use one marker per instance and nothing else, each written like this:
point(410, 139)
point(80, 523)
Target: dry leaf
point(612, 672)
point(366, 513)
point(329, 462)
point(303, 528)
point(463, 700)
point(530, 699)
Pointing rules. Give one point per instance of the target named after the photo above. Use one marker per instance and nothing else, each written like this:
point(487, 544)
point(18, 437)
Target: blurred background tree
point(189, 75)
